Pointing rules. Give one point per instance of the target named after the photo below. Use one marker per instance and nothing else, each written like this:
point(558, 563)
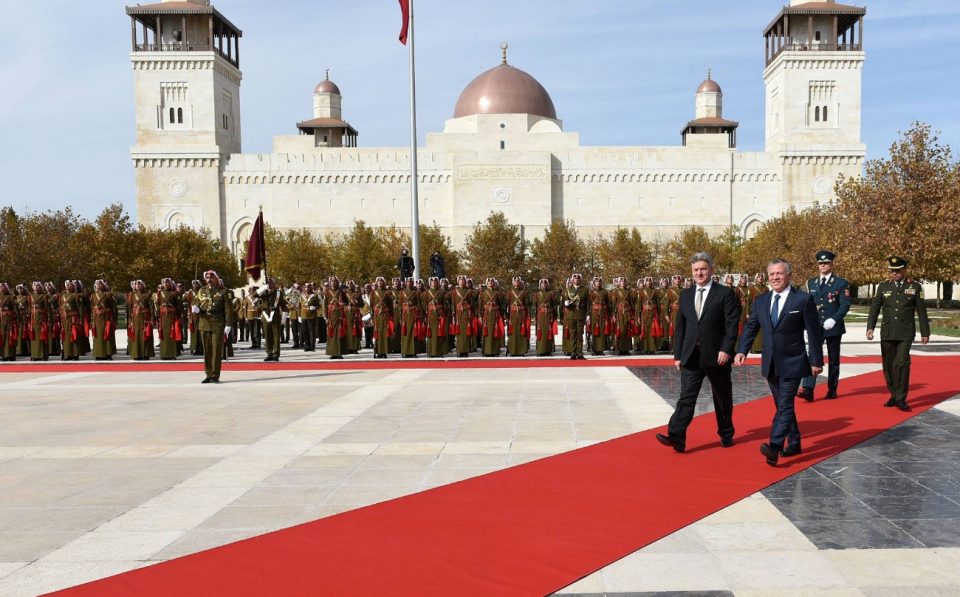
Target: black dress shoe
point(891, 402)
point(214, 380)
point(573, 357)
point(831, 394)
point(771, 453)
point(791, 451)
point(580, 357)
point(670, 442)
point(726, 442)
point(806, 394)
point(205, 380)
point(903, 406)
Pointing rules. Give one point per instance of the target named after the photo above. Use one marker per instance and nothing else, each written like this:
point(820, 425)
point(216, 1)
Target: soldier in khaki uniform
point(411, 324)
point(463, 321)
point(39, 323)
point(72, 319)
point(435, 320)
point(254, 328)
point(9, 323)
point(647, 306)
point(310, 307)
point(599, 316)
point(215, 310)
point(576, 301)
point(335, 300)
point(273, 304)
point(139, 322)
point(56, 328)
point(104, 323)
point(492, 305)
point(900, 299)
point(190, 299)
point(23, 316)
point(169, 311)
point(518, 314)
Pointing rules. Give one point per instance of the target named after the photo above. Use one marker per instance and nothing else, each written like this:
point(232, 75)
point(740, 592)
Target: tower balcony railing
point(175, 47)
point(795, 46)
point(185, 47)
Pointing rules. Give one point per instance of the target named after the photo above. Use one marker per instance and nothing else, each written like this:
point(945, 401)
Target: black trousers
point(256, 331)
point(295, 329)
point(242, 327)
point(308, 333)
point(833, 370)
point(691, 380)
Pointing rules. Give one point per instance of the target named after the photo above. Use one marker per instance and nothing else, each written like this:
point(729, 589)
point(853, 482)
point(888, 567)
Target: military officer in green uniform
point(214, 306)
point(831, 294)
point(576, 301)
point(900, 299)
point(273, 303)
point(9, 323)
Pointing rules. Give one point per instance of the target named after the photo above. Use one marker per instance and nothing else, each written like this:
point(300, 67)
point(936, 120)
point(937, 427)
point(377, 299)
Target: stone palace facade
point(505, 148)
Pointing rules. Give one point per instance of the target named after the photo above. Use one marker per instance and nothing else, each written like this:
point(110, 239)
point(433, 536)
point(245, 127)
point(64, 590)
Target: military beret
point(894, 262)
point(825, 256)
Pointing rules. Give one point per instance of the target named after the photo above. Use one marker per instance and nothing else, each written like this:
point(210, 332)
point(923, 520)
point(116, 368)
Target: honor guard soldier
point(576, 301)
point(310, 309)
point(273, 304)
point(9, 323)
point(253, 317)
point(215, 310)
point(900, 299)
point(831, 294)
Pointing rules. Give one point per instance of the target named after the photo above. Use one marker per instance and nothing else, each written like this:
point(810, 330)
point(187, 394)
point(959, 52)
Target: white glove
point(313, 308)
point(226, 330)
point(828, 324)
point(566, 303)
point(262, 291)
point(195, 309)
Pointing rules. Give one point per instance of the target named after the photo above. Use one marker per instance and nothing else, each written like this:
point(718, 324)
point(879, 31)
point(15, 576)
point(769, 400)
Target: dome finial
point(708, 74)
point(328, 74)
point(503, 48)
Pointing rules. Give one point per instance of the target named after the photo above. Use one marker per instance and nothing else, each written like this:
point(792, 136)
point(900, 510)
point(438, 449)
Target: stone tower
point(814, 60)
point(186, 67)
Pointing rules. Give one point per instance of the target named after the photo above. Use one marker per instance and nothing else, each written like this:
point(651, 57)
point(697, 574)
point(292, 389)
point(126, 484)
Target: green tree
point(359, 256)
point(558, 254)
point(907, 205)
point(624, 253)
point(795, 236)
point(297, 255)
point(496, 248)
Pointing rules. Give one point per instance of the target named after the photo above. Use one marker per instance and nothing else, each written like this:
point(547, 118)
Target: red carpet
point(534, 528)
point(355, 364)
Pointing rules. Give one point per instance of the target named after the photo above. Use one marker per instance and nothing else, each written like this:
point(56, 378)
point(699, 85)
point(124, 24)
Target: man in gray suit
point(783, 315)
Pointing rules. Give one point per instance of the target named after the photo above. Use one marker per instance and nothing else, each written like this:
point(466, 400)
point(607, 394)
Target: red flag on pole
point(256, 250)
point(405, 10)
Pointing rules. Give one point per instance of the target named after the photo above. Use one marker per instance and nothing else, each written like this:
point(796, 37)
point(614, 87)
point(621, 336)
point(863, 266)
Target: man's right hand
point(677, 365)
point(869, 334)
point(195, 309)
point(740, 359)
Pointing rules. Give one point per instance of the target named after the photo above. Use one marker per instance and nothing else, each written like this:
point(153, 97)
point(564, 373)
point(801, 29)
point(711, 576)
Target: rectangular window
point(503, 145)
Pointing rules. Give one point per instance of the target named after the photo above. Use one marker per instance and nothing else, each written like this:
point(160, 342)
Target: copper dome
point(709, 86)
point(327, 86)
point(505, 90)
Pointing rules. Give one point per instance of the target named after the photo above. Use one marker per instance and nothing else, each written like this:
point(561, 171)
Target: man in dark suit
point(783, 315)
point(705, 337)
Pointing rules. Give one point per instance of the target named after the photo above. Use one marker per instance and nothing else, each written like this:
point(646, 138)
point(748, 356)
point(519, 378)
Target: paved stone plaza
point(102, 472)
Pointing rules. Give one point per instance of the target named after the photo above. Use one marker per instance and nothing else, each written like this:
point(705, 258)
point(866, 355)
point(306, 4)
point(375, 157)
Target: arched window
point(179, 115)
point(171, 116)
point(824, 113)
point(816, 114)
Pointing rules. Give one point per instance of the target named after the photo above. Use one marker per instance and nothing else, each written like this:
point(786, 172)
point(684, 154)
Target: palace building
point(504, 149)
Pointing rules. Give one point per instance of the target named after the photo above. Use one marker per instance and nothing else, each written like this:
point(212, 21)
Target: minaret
point(327, 125)
point(186, 67)
point(814, 60)
point(709, 124)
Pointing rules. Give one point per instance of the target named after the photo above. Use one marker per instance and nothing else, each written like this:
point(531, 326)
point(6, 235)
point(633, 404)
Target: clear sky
point(620, 72)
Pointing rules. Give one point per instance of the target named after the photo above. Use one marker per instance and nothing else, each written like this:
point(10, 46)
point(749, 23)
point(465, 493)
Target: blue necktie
point(775, 314)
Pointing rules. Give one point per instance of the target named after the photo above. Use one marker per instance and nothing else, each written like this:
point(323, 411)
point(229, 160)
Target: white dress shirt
point(706, 292)
point(783, 301)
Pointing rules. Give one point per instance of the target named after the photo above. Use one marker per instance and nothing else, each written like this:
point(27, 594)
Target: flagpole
point(414, 201)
